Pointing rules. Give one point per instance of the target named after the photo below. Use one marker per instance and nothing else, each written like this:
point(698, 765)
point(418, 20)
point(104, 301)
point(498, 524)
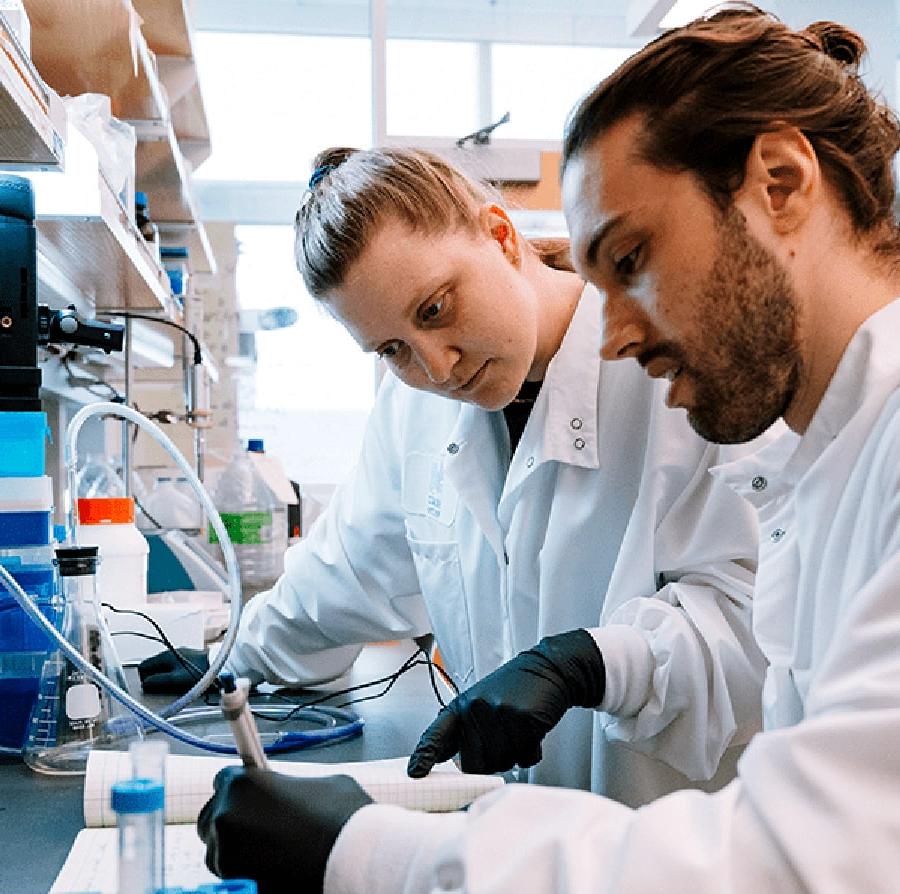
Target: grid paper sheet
point(92, 862)
point(189, 783)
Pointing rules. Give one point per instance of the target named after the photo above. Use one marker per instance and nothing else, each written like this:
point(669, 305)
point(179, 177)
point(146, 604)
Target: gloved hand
point(501, 720)
point(164, 674)
point(276, 829)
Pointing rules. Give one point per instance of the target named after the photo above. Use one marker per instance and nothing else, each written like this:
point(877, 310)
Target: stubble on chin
point(747, 314)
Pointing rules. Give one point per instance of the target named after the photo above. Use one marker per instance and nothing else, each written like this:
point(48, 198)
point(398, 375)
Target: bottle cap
point(137, 796)
point(256, 445)
point(77, 561)
point(173, 252)
point(105, 510)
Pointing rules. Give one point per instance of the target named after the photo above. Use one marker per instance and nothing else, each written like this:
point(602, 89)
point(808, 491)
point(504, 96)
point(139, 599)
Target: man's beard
point(748, 355)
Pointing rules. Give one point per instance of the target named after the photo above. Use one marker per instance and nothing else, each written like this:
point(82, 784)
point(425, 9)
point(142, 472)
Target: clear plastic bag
point(114, 140)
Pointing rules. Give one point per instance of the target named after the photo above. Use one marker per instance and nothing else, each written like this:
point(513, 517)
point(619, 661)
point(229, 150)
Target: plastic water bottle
point(255, 520)
point(98, 478)
point(172, 505)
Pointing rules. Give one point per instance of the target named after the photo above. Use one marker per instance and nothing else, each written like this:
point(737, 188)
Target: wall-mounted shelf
point(32, 120)
point(166, 28)
point(158, 95)
point(84, 232)
point(162, 174)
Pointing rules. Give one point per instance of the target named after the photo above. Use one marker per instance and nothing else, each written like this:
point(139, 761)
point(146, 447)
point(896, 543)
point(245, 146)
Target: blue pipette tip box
point(23, 440)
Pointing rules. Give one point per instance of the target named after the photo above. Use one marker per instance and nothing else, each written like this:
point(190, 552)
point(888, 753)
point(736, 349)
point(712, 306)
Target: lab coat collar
point(868, 370)
point(564, 421)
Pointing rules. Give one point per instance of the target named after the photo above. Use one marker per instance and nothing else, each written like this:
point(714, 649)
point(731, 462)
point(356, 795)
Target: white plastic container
point(256, 521)
point(108, 522)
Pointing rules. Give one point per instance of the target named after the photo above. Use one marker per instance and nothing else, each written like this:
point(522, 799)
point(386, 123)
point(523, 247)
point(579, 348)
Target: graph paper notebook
point(91, 864)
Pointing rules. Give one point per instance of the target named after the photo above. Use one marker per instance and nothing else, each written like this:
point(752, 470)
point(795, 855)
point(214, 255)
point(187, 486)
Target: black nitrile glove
point(501, 720)
point(164, 674)
point(278, 830)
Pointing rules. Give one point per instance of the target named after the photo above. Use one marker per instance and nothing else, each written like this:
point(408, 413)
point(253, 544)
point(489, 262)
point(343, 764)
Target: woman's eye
point(391, 349)
point(433, 310)
point(627, 265)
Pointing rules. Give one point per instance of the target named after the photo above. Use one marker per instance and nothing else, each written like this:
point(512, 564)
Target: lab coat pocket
point(441, 582)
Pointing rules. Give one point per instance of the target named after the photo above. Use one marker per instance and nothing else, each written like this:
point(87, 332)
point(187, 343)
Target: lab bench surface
point(41, 815)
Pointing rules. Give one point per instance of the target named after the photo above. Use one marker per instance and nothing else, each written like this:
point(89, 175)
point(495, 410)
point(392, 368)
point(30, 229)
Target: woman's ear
point(500, 228)
point(782, 179)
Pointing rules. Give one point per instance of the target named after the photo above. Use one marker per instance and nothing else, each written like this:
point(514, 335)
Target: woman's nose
point(437, 361)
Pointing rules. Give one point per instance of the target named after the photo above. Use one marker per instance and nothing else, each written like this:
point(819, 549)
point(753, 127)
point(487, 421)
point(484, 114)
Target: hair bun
point(839, 43)
point(333, 157)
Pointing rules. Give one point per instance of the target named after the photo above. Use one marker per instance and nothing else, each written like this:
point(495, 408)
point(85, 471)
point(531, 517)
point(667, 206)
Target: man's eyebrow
point(602, 233)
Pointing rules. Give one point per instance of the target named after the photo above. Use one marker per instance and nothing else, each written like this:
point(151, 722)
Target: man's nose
point(623, 333)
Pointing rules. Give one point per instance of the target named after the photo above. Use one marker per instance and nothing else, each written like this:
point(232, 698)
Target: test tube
point(148, 759)
point(139, 805)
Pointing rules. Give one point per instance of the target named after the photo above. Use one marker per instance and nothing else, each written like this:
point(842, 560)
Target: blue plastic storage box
point(18, 633)
point(23, 648)
point(23, 440)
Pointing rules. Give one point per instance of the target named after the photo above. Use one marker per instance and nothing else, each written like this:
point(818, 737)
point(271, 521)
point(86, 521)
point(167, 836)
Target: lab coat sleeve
point(814, 807)
point(350, 582)
point(695, 688)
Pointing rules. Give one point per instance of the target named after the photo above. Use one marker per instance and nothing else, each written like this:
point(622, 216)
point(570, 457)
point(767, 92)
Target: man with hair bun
point(729, 189)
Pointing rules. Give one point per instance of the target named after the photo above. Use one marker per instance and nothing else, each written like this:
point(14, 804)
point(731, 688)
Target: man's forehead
point(589, 195)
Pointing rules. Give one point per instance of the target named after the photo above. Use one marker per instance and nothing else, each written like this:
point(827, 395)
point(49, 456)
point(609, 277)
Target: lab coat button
point(777, 535)
point(529, 462)
point(453, 448)
point(576, 423)
point(579, 443)
point(450, 876)
point(759, 483)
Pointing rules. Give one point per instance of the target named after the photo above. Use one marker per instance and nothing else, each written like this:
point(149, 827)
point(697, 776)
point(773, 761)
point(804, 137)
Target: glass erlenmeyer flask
point(73, 715)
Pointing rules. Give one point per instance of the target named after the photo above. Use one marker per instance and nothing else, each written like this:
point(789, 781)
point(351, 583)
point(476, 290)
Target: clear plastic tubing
point(234, 581)
point(139, 805)
point(234, 588)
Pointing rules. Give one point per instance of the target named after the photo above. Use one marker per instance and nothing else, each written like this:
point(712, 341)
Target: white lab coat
point(816, 806)
point(438, 531)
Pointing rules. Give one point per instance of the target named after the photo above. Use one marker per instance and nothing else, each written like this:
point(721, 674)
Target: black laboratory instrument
point(26, 325)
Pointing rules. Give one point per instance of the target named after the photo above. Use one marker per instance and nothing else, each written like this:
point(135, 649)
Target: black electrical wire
point(389, 679)
point(147, 515)
point(77, 381)
point(131, 315)
point(189, 666)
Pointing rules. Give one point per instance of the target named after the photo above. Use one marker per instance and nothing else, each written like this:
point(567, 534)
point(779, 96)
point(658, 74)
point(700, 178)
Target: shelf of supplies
point(94, 47)
point(200, 254)
point(32, 123)
point(162, 174)
point(110, 55)
point(86, 233)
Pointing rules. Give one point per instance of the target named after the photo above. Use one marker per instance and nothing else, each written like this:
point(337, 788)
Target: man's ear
point(782, 179)
point(500, 228)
